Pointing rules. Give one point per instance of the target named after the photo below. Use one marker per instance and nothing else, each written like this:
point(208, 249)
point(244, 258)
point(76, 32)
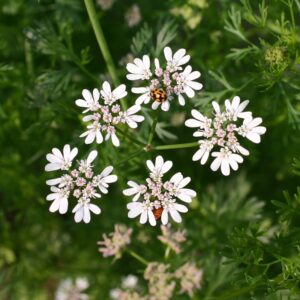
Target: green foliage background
point(242, 230)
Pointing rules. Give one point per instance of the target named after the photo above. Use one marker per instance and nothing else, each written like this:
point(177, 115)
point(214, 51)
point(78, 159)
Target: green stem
point(90, 7)
point(176, 146)
point(152, 131)
point(126, 135)
point(129, 157)
point(138, 257)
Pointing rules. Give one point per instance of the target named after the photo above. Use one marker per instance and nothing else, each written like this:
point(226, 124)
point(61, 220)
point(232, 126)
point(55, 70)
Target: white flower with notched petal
point(179, 191)
point(172, 208)
point(235, 108)
point(90, 101)
point(140, 69)
point(60, 161)
point(156, 199)
point(106, 116)
point(83, 185)
point(222, 132)
point(135, 189)
point(144, 210)
point(251, 130)
point(226, 159)
point(59, 197)
point(82, 210)
point(174, 62)
point(166, 81)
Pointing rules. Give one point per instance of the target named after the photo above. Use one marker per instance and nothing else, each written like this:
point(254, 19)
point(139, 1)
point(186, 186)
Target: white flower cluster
point(80, 183)
point(104, 118)
point(72, 290)
point(164, 82)
point(222, 132)
point(157, 199)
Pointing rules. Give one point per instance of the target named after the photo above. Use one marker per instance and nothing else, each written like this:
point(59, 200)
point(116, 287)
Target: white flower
point(166, 82)
point(188, 85)
point(203, 153)
point(60, 161)
point(236, 109)
point(165, 106)
point(222, 132)
point(200, 121)
point(93, 132)
point(86, 164)
point(107, 115)
point(144, 209)
point(160, 167)
point(82, 184)
point(90, 102)
point(156, 199)
point(226, 159)
point(140, 69)
point(180, 192)
point(251, 130)
point(135, 189)
point(129, 282)
point(130, 118)
point(69, 289)
point(175, 61)
point(59, 198)
point(103, 180)
point(110, 96)
point(173, 209)
point(82, 210)
point(145, 97)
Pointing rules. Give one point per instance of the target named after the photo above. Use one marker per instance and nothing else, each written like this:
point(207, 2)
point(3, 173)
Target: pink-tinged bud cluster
point(83, 185)
point(156, 199)
point(223, 132)
point(164, 82)
point(115, 243)
point(106, 116)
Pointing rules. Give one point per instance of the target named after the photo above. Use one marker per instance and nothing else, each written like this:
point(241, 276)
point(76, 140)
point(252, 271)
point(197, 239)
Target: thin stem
point(138, 257)
point(90, 7)
point(152, 131)
point(129, 157)
point(134, 140)
point(176, 146)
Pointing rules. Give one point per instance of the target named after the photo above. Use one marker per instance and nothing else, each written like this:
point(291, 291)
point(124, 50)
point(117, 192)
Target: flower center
point(159, 95)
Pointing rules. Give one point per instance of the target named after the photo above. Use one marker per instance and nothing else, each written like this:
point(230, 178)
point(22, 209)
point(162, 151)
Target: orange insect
point(157, 212)
point(158, 95)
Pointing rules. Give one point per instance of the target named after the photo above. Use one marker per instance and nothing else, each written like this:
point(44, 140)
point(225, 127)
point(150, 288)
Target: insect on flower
point(165, 81)
point(157, 199)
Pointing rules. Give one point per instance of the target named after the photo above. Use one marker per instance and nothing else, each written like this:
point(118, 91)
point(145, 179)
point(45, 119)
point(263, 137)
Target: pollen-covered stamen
point(159, 95)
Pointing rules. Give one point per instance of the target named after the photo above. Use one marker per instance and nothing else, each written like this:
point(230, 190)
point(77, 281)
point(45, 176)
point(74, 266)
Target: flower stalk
point(90, 7)
point(176, 146)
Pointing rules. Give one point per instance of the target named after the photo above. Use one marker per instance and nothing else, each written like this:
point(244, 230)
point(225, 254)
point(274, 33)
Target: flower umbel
point(105, 116)
point(69, 289)
point(156, 199)
point(223, 132)
point(171, 238)
point(115, 242)
point(81, 183)
point(165, 81)
point(190, 278)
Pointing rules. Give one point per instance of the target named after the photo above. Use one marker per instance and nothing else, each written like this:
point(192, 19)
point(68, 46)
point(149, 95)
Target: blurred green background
point(48, 54)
